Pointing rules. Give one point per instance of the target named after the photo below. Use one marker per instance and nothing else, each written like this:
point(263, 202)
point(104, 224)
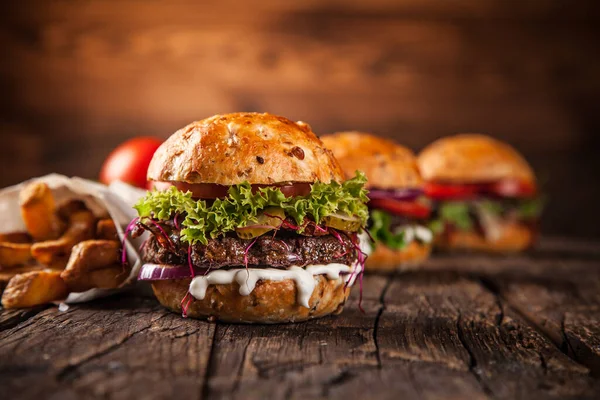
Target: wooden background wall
point(78, 77)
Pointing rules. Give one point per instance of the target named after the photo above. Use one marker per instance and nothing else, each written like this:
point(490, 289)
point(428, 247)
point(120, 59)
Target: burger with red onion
point(398, 211)
point(253, 222)
point(484, 193)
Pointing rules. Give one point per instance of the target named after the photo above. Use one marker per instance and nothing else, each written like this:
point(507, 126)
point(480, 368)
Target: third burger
point(484, 193)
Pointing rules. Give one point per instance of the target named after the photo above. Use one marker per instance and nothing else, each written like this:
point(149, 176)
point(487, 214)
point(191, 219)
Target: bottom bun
point(513, 237)
point(384, 259)
point(270, 302)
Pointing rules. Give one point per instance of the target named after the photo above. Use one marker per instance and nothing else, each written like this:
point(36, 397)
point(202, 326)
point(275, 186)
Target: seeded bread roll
point(386, 164)
point(232, 148)
point(269, 302)
point(472, 158)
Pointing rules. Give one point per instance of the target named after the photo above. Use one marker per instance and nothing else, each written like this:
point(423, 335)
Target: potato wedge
point(14, 254)
point(16, 237)
point(55, 253)
point(66, 208)
point(94, 264)
point(7, 274)
point(38, 212)
point(106, 229)
point(34, 288)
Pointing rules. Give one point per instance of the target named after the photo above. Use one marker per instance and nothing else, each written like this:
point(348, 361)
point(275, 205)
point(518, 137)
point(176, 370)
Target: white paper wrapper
point(115, 201)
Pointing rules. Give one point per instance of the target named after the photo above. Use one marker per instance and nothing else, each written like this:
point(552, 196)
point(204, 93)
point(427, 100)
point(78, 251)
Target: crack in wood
point(343, 377)
point(240, 371)
point(378, 317)
point(205, 388)
point(411, 376)
point(11, 319)
point(562, 342)
point(68, 372)
point(472, 360)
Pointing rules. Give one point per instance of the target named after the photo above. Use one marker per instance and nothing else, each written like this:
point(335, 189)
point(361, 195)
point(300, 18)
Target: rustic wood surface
point(463, 326)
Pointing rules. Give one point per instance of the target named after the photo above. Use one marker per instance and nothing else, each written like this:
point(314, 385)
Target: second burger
point(398, 214)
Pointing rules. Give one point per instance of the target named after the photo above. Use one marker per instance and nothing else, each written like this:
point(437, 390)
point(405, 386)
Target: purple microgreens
point(287, 246)
point(128, 230)
point(247, 250)
point(368, 234)
point(184, 307)
point(189, 258)
point(336, 234)
point(361, 258)
point(162, 231)
point(175, 222)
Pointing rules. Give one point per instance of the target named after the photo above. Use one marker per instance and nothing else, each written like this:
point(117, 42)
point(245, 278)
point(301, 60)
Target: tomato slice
point(512, 188)
point(398, 207)
point(503, 188)
point(214, 191)
point(444, 191)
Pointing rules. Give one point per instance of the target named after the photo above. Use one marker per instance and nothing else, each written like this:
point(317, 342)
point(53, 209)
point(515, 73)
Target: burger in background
point(484, 194)
point(398, 212)
point(257, 223)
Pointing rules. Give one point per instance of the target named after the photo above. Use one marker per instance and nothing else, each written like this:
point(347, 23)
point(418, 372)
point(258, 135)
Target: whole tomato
point(129, 161)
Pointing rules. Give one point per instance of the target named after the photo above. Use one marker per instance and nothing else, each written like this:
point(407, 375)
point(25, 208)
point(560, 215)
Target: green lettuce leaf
point(381, 231)
point(456, 213)
point(241, 206)
point(530, 208)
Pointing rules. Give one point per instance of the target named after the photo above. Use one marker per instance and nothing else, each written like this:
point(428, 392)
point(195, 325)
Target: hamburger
point(254, 222)
point(398, 212)
point(484, 194)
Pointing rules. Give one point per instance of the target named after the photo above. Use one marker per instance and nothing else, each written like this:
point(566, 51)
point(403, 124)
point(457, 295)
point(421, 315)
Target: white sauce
point(365, 244)
point(247, 278)
point(412, 232)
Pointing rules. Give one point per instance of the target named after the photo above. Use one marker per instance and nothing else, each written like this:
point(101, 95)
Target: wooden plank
point(117, 348)
point(568, 314)
point(333, 358)
point(12, 318)
point(445, 319)
point(303, 359)
point(554, 259)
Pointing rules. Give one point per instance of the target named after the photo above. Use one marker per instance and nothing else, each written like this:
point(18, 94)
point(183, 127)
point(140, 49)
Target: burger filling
point(399, 218)
point(483, 208)
point(254, 231)
point(281, 250)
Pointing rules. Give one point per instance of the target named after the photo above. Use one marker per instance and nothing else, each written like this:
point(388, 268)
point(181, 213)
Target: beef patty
point(266, 251)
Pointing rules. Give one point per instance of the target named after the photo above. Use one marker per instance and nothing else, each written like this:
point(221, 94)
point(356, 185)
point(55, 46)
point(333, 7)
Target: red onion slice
point(398, 194)
point(157, 272)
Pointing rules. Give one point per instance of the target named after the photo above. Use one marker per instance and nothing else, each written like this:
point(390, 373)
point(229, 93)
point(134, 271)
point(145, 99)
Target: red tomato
point(503, 188)
point(512, 188)
point(398, 207)
point(213, 190)
point(442, 192)
point(129, 161)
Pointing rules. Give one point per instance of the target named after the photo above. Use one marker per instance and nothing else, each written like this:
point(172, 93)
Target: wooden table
point(465, 327)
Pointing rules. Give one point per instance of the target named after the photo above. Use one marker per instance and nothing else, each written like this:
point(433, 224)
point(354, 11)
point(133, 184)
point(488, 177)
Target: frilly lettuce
point(241, 206)
point(381, 231)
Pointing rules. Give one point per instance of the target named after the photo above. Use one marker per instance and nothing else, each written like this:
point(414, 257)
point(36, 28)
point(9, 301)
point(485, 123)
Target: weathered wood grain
point(568, 314)
point(117, 348)
point(443, 318)
point(443, 333)
point(568, 260)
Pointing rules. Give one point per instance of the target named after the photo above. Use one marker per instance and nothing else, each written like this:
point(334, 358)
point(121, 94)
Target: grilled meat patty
point(281, 251)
